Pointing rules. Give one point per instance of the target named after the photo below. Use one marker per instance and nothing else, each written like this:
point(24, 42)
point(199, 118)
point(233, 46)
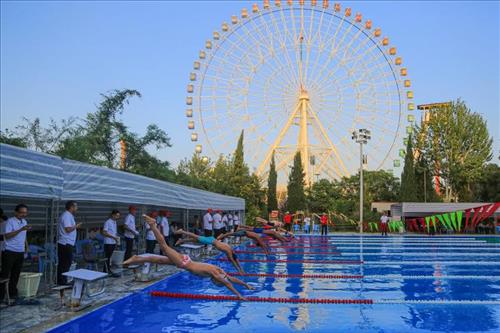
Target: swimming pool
point(417, 284)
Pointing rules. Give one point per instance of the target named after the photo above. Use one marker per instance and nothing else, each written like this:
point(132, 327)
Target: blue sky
point(56, 57)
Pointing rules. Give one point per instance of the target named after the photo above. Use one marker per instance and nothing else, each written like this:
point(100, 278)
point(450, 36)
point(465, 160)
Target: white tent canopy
point(30, 174)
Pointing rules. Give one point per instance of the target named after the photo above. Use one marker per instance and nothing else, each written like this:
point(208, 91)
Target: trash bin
point(28, 284)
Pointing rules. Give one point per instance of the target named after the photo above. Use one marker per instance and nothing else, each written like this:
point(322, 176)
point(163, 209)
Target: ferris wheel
point(297, 76)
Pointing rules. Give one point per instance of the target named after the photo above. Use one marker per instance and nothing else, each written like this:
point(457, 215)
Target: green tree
point(10, 138)
point(272, 181)
point(488, 186)
point(322, 196)
point(195, 172)
point(459, 145)
point(239, 170)
point(425, 184)
point(408, 180)
point(296, 199)
point(33, 135)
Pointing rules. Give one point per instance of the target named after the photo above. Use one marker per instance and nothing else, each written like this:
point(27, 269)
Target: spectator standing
point(150, 237)
point(164, 226)
point(67, 231)
point(110, 238)
point(384, 219)
point(225, 222)
point(15, 231)
point(287, 219)
point(130, 231)
point(208, 222)
point(236, 221)
point(307, 224)
point(324, 224)
point(230, 222)
point(218, 225)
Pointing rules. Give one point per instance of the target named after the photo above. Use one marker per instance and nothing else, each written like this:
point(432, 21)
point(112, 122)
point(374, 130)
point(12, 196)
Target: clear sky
point(56, 57)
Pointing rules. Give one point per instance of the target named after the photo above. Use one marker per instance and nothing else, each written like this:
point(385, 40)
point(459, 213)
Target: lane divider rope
point(436, 301)
point(297, 247)
point(300, 276)
point(287, 252)
point(346, 262)
point(261, 299)
point(437, 277)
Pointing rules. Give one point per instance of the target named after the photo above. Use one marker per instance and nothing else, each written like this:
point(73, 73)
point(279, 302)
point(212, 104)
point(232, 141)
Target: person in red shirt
point(324, 224)
point(288, 221)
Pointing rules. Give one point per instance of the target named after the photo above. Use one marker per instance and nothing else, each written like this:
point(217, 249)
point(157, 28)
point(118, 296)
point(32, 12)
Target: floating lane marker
point(425, 248)
point(298, 246)
point(306, 261)
point(299, 276)
point(261, 299)
point(367, 277)
point(372, 254)
point(433, 277)
point(468, 263)
point(318, 300)
point(287, 252)
point(436, 301)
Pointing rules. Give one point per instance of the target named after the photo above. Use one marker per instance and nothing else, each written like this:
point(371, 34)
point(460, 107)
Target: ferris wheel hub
point(304, 96)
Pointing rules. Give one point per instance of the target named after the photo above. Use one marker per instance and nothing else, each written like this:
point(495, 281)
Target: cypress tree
point(408, 179)
point(272, 180)
point(296, 196)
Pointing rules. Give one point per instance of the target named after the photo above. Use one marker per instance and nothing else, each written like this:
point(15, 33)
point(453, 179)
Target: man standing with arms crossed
point(67, 238)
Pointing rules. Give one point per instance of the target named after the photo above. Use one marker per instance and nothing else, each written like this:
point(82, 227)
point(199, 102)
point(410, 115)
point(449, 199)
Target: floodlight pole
point(361, 187)
point(361, 136)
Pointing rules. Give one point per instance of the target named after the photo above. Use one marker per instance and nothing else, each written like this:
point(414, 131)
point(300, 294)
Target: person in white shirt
point(150, 237)
point(208, 223)
point(225, 222)
point(218, 225)
point(384, 219)
point(229, 222)
point(110, 238)
point(164, 226)
point(130, 231)
point(15, 230)
point(236, 221)
point(307, 224)
point(66, 232)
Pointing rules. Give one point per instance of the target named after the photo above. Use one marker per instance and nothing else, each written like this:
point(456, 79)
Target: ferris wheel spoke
point(290, 74)
point(342, 62)
point(309, 43)
point(335, 47)
point(283, 27)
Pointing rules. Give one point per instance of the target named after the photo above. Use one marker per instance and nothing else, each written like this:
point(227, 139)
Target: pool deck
point(41, 316)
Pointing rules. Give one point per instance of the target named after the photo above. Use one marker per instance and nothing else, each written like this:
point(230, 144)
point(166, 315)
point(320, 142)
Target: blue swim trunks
point(206, 240)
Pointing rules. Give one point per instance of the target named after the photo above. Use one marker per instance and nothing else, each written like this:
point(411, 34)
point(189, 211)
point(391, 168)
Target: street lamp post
point(361, 136)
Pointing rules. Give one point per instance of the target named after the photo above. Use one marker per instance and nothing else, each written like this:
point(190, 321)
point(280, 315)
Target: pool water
point(417, 284)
